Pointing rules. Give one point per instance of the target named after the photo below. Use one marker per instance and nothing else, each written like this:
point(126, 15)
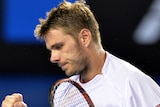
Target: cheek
point(72, 55)
point(73, 51)
point(79, 58)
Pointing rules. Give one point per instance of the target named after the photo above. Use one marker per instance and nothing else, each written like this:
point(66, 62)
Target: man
point(71, 33)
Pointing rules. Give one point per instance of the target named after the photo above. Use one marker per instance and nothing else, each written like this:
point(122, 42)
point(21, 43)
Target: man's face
point(66, 52)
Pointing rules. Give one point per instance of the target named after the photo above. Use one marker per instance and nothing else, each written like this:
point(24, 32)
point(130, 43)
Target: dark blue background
point(34, 88)
point(21, 17)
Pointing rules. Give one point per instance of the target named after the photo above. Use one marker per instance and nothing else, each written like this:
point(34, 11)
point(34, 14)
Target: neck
point(96, 59)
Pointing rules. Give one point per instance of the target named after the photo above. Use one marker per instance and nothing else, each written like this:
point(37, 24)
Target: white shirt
point(121, 85)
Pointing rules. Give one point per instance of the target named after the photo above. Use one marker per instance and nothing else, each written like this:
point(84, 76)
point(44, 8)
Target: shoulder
point(120, 68)
point(124, 74)
point(140, 79)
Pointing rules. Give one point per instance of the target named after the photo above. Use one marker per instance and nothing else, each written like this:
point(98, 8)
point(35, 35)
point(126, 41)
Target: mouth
point(62, 66)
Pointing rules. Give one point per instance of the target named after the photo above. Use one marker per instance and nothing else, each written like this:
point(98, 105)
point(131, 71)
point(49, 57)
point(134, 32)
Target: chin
point(70, 73)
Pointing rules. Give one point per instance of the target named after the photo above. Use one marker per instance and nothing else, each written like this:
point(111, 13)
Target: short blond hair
point(71, 17)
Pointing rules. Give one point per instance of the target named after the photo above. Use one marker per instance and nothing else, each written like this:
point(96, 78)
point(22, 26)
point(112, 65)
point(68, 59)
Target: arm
point(142, 91)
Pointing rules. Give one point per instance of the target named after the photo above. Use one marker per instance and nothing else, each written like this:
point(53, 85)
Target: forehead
point(54, 34)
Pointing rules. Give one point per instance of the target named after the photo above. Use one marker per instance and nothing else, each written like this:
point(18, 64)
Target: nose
point(54, 58)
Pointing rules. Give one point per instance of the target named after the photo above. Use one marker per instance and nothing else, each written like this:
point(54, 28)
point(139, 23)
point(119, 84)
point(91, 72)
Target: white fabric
point(121, 85)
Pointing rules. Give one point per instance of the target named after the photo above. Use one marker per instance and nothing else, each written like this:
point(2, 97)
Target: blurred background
point(130, 29)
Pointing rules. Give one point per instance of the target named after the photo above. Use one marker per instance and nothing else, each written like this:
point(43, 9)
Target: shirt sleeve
point(141, 91)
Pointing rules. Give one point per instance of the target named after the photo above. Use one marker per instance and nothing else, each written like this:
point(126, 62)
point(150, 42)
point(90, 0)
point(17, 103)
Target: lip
point(63, 66)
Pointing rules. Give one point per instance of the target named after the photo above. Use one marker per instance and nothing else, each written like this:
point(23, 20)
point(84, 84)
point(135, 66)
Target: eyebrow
point(56, 45)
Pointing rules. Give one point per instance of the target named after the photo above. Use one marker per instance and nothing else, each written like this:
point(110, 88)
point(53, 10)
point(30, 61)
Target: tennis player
point(72, 35)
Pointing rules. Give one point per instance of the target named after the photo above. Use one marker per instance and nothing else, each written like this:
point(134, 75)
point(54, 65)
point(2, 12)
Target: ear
point(85, 37)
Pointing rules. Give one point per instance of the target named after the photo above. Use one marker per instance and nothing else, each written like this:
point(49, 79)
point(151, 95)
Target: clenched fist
point(14, 100)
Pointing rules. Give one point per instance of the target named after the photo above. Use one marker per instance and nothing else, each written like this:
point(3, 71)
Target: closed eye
point(57, 46)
